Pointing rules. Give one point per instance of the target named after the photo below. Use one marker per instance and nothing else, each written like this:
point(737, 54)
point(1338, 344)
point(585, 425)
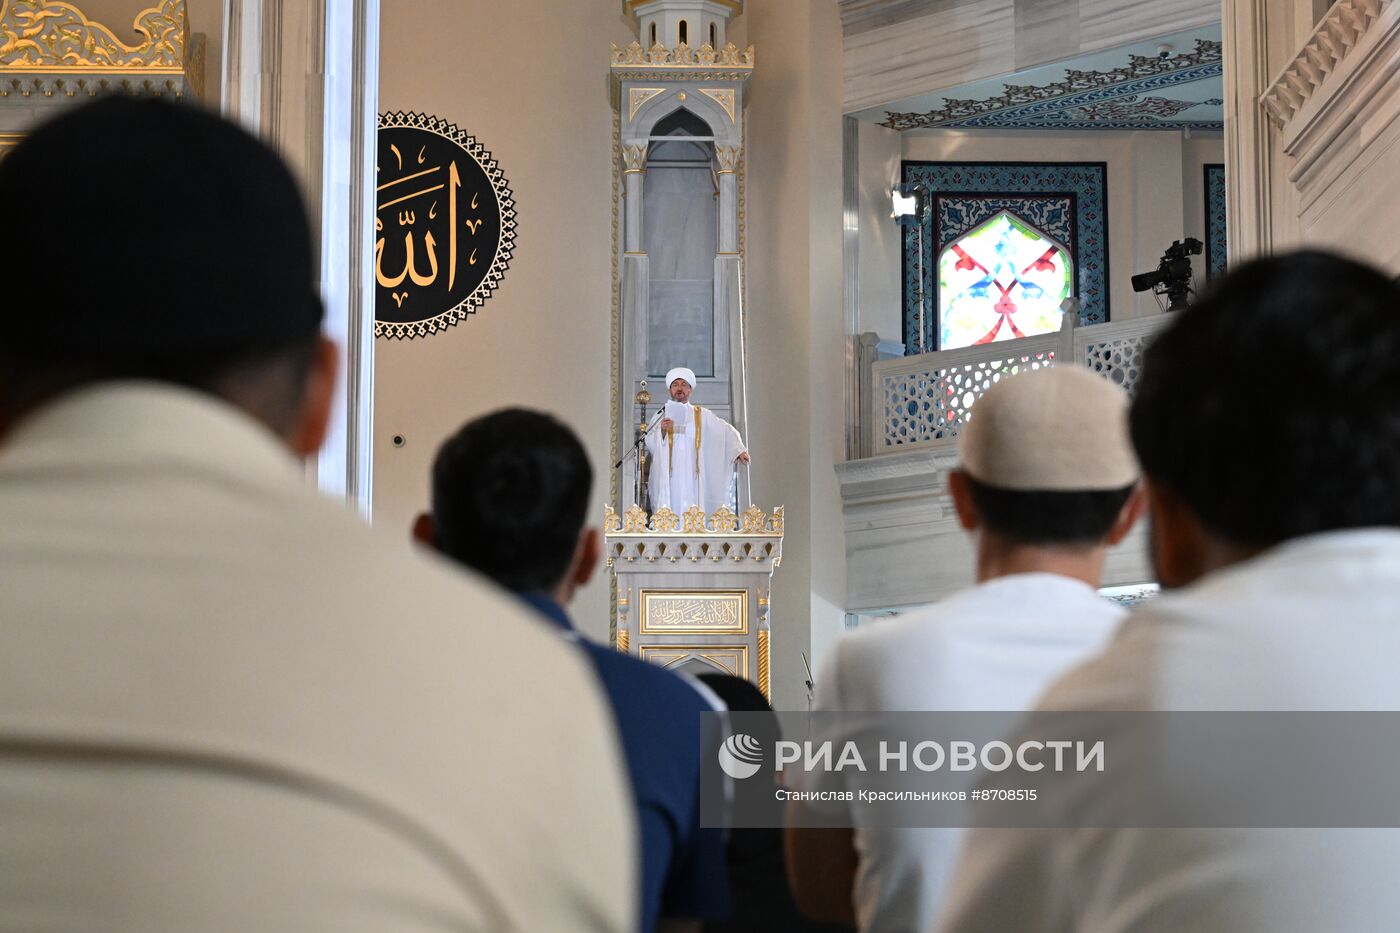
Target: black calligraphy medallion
point(444, 225)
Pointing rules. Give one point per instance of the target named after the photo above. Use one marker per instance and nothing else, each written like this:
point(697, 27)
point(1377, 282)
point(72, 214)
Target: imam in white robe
point(693, 464)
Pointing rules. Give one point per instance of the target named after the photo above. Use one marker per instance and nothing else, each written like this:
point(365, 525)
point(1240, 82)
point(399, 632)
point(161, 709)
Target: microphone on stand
point(633, 448)
point(810, 681)
point(642, 398)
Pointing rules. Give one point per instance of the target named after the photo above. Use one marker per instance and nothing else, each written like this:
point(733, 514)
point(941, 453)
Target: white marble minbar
point(694, 591)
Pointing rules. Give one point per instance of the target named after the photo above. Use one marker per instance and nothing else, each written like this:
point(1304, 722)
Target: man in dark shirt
point(510, 496)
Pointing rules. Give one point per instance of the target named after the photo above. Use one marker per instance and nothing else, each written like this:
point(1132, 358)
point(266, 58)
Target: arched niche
point(696, 103)
point(680, 226)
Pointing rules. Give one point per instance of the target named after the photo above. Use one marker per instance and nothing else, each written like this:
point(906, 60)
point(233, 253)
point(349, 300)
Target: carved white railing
point(921, 402)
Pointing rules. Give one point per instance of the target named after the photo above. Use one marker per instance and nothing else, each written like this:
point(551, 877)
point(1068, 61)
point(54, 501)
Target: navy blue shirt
point(684, 868)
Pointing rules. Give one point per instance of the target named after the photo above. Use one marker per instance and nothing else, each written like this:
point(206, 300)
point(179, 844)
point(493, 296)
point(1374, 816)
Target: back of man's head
point(1271, 407)
point(177, 249)
point(1046, 458)
point(510, 496)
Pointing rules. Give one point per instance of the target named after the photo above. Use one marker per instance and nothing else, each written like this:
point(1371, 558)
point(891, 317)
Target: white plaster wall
point(1147, 192)
point(796, 409)
point(880, 237)
point(530, 81)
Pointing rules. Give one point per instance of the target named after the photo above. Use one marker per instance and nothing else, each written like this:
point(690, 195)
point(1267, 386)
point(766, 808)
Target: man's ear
point(423, 530)
point(1128, 515)
point(317, 399)
point(590, 554)
point(1179, 541)
point(960, 488)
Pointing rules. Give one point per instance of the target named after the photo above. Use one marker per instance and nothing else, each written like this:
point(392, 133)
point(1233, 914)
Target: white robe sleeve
point(719, 447)
point(659, 477)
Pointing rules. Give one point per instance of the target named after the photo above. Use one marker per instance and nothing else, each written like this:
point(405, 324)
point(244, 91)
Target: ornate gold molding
point(615, 337)
point(754, 521)
point(728, 158)
point(724, 96)
point(681, 63)
point(683, 56)
point(48, 36)
point(638, 96)
point(634, 158)
point(764, 665)
point(665, 521)
point(694, 612)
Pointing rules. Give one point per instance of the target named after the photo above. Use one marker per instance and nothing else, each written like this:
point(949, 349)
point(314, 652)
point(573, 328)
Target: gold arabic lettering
point(407, 217)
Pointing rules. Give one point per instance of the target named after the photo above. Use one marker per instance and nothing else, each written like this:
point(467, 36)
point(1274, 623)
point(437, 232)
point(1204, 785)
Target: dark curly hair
point(510, 495)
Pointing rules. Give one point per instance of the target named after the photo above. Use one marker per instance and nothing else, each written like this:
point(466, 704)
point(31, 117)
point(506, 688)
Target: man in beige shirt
point(225, 704)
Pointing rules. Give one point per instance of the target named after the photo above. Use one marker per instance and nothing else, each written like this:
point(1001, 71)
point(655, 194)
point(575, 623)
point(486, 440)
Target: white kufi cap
point(1060, 428)
point(680, 372)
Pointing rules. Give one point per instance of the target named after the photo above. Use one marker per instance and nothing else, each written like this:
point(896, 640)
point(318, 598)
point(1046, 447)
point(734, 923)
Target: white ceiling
point(1131, 87)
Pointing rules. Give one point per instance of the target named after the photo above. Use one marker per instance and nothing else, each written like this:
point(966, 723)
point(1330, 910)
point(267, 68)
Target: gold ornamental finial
point(643, 397)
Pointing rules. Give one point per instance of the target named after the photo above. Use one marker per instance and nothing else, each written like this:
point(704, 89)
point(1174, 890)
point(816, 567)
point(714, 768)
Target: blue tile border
point(1217, 240)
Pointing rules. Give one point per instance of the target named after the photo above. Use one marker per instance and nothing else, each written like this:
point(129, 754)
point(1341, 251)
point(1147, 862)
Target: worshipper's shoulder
point(1158, 651)
point(861, 666)
point(1117, 678)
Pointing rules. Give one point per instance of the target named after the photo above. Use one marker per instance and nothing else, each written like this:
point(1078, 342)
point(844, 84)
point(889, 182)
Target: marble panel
point(680, 223)
point(681, 326)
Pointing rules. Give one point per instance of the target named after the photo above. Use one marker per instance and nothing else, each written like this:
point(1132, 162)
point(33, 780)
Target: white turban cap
point(1062, 428)
point(680, 372)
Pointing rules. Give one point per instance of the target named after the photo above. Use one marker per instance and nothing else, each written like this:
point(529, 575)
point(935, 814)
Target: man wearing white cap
point(692, 451)
point(1046, 483)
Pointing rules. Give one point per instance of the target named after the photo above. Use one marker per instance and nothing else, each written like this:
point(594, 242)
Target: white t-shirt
point(996, 646)
point(1313, 624)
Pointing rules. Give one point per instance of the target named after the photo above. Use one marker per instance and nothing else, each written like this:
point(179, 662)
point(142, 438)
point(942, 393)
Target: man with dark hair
point(1045, 484)
point(1267, 421)
point(510, 500)
point(224, 702)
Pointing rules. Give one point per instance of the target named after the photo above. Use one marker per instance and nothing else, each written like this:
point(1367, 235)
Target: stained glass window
point(1002, 280)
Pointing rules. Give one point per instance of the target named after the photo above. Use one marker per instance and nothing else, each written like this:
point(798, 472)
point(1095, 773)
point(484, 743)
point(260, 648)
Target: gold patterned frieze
point(694, 519)
point(45, 35)
point(665, 521)
point(754, 521)
point(634, 158)
point(705, 63)
point(52, 49)
point(724, 520)
point(638, 96)
point(699, 612)
point(633, 521)
point(723, 96)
